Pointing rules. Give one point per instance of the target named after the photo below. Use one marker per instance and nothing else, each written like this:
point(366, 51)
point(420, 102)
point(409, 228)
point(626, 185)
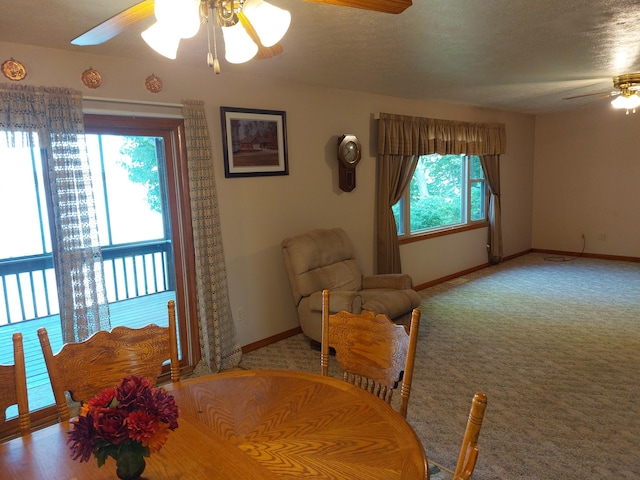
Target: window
point(446, 191)
point(139, 177)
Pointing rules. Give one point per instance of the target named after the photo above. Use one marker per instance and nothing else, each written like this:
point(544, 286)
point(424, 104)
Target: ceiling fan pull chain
point(212, 60)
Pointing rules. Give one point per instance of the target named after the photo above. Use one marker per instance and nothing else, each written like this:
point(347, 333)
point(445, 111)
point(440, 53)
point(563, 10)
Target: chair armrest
point(340, 300)
point(398, 281)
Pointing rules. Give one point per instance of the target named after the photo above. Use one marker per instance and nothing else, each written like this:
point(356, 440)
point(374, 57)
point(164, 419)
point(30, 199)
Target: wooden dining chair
point(373, 352)
point(85, 368)
point(13, 379)
point(469, 449)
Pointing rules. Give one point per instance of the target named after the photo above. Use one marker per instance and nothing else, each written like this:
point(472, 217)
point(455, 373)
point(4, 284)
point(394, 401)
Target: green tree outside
point(436, 193)
point(141, 163)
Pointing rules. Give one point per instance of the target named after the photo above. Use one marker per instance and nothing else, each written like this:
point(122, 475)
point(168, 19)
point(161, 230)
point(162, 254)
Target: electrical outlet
point(240, 314)
point(582, 236)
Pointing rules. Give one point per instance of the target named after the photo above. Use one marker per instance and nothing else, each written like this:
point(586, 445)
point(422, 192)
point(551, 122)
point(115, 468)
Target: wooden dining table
point(250, 424)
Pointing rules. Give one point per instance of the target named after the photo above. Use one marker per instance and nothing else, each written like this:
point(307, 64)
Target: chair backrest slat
point(13, 379)
point(375, 353)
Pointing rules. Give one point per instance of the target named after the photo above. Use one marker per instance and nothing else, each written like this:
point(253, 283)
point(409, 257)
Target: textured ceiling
point(516, 55)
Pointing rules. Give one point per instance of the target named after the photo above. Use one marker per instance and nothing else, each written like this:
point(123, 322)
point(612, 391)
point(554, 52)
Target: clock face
point(350, 152)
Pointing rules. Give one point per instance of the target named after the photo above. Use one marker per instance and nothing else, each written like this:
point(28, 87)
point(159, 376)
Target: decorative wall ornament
point(153, 83)
point(13, 70)
point(91, 78)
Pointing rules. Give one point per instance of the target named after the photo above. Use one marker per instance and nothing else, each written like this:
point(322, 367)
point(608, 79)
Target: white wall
point(586, 174)
point(257, 213)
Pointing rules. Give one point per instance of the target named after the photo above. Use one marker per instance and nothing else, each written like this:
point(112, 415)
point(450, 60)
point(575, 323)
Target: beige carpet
point(555, 346)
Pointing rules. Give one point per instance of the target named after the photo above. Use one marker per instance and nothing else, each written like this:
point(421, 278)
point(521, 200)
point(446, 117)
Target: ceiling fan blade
point(116, 24)
point(268, 52)
point(263, 52)
point(598, 99)
point(385, 6)
point(604, 94)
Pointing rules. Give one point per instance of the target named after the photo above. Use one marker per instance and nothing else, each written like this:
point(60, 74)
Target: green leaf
point(106, 450)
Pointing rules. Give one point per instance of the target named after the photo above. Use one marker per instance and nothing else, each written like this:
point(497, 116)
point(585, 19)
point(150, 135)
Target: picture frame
point(254, 142)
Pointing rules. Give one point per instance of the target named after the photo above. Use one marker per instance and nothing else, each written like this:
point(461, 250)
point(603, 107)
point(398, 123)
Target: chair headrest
point(318, 248)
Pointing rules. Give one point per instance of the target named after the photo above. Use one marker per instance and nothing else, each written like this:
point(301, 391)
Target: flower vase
point(129, 466)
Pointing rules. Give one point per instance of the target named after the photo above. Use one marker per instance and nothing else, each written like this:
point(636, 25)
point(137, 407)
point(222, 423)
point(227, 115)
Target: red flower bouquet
point(126, 423)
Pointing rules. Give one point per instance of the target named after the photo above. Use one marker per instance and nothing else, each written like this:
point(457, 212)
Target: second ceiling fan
point(626, 92)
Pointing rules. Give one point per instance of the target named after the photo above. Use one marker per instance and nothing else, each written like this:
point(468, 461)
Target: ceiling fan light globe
point(270, 22)
point(165, 10)
point(618, 102)
point(628, 102)
point(181, 17)
point(162, 42)
point(238, 46)
point(189, 21)
point(633, 101)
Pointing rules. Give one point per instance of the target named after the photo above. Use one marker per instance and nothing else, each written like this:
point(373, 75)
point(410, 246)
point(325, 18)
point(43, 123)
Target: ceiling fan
point(626, 92)
point(240, 21)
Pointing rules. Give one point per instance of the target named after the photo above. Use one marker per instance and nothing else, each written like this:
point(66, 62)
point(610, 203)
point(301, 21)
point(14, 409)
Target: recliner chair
point(324, 259)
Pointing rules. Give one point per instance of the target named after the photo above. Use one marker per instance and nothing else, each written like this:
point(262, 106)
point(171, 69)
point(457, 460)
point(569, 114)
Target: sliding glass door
point(140, 189)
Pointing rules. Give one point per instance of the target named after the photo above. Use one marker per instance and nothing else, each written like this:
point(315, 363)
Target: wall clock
point(349, 154)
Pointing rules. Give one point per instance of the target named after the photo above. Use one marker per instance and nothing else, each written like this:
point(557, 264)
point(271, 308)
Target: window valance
point(404, 135)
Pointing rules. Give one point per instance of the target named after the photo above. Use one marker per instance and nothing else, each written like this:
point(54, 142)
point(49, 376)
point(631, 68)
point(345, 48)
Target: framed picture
point(254, 142)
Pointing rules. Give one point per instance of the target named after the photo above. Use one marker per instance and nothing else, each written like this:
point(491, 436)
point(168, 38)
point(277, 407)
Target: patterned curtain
point(52, 119)
point(402, 139)
point(219, 346)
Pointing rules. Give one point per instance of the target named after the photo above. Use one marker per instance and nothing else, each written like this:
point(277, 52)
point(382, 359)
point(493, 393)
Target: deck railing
point(28, 287)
